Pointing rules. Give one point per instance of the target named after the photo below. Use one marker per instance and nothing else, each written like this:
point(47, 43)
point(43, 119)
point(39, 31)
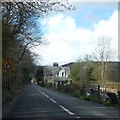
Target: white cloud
point(109, 28)
point(60, 23)
point(69, 42)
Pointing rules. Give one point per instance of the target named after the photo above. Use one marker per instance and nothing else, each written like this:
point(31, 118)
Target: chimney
point(55, 64)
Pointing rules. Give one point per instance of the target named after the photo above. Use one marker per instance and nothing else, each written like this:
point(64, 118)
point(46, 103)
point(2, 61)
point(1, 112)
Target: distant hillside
point(68, 64)
point(114, 71)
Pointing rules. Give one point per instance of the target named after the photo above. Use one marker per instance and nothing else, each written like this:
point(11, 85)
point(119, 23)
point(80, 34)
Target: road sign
point(6, 64)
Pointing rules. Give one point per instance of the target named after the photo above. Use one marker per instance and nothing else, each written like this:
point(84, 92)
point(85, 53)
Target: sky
point(73, 34)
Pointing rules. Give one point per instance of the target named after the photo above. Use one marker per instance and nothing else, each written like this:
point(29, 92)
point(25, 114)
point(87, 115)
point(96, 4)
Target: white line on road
point(53, 100)
point(47, 96)
point(69, 112)
point(65, 109)
point(39, 90)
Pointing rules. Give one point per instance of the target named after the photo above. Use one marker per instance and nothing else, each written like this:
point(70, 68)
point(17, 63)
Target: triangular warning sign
point(6, 65)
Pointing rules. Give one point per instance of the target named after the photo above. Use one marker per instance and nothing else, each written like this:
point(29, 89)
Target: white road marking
point(47, 96)
point(39, 90)
point(69, 112)
point(65, 109)
point(77, 117)
point(53, 100)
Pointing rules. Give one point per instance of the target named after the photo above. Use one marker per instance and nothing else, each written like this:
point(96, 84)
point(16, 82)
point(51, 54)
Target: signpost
point(6, 65)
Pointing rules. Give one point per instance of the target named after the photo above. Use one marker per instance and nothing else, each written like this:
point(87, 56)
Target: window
point(62, 73)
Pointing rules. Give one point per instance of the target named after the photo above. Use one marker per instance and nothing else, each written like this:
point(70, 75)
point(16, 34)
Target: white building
point(55, 75)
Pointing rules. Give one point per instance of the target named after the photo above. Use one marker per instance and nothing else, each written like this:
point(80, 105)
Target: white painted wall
point(62, 73)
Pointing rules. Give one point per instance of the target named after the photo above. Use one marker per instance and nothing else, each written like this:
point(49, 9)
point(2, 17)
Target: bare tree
point(103, 54)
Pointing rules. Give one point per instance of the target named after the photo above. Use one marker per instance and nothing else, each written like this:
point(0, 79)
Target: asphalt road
point(39, 102)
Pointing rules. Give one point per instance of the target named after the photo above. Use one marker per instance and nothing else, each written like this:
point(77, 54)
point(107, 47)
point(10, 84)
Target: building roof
point(52, 70)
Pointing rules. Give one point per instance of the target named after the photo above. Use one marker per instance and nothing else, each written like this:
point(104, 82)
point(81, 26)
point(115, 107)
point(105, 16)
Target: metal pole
point(8, 81)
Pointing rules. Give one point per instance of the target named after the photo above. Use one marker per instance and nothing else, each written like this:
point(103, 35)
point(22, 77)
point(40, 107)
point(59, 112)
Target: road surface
point(39, 102)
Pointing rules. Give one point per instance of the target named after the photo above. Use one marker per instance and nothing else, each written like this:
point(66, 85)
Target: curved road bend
point(39, 102)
